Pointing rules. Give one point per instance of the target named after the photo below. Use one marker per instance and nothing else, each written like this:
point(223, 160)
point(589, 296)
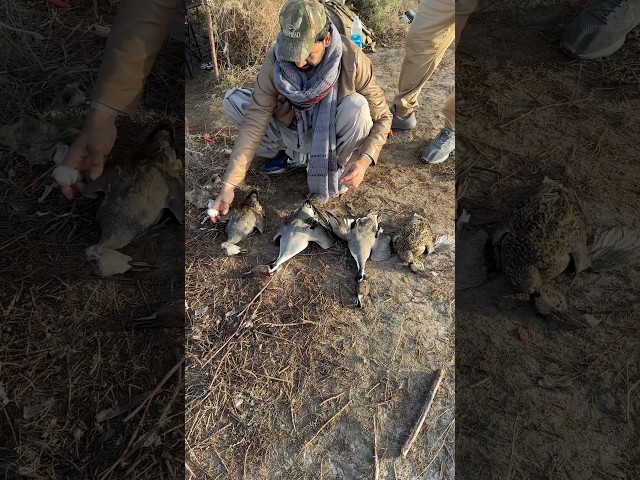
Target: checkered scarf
point(314, 96)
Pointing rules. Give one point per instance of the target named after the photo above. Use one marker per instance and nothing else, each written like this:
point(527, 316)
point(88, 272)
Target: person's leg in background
point(601, 28)
point(429, 36)
point(444, 143)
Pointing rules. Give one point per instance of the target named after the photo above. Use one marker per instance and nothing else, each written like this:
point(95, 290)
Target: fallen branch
point(435, 384)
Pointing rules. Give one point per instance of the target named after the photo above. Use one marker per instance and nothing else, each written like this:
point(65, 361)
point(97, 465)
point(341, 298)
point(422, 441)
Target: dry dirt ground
point(293, 386)
point(537, 399)
point(70, 369)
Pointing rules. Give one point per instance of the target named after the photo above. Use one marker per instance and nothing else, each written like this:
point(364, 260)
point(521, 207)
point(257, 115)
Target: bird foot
point(231, 249)
point(106, 261)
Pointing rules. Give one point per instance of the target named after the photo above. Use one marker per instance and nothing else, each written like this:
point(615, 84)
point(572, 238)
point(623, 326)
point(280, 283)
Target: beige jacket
point(133, 45)
point(356, 75)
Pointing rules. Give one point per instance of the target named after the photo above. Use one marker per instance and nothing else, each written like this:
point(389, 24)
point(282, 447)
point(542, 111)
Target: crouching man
point(316, 105)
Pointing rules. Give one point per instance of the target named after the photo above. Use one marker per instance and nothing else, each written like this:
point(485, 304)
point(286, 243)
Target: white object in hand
point(213, 212)
point(65, 175)
point(61, 152)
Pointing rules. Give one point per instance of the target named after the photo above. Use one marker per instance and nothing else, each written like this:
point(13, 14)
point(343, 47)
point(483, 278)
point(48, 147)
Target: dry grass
point(244, 35)
point(66, 356)
point(256, 349)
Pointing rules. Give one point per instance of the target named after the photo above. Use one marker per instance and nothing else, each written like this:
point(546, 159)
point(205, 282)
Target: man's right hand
point(223, 201)
point(90, 149)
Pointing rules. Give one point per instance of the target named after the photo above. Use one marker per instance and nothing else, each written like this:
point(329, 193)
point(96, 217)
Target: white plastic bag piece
point(65, 175)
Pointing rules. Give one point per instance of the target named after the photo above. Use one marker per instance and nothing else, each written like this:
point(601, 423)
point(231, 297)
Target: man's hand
point(354, 172)
point(222, 202)
point(90, 149)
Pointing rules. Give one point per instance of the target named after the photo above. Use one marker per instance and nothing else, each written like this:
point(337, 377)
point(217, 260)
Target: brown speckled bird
point(544, 234)
point(243, 222)
point(414, 239)
point(134, 198)
point(543, 237)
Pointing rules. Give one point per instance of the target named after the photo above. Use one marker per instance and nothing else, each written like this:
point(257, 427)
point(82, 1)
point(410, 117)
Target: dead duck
point(413, 240)
point(243, 222)
point(366, 241)
point(134, 198)
point(301, 228)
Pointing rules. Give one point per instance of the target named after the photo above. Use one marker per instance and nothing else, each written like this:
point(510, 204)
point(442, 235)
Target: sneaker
point(440, 147)
point(281, 163)
point(601, 28)
point(399, 123)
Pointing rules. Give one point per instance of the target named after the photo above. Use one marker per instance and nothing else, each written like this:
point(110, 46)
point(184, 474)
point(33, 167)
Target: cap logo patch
point(290, 31)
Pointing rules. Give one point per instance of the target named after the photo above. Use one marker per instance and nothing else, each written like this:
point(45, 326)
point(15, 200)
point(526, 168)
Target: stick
point(376, 473)
point(212, 41)
point(435, 384)
point(325, 424)
point(153, 392)
point(20, 30)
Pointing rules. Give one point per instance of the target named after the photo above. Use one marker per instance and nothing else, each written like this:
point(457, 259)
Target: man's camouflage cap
point(300, 22)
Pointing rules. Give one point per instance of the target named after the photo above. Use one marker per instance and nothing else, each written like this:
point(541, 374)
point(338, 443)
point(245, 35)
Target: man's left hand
point(354, 172)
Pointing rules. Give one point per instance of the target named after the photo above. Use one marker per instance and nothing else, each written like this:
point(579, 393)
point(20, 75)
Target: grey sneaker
point(399, 123)
point(440, 147)
point(601, 28)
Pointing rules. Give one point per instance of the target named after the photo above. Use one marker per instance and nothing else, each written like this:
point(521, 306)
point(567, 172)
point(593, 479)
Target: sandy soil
point(537, 399)
point(312, 374)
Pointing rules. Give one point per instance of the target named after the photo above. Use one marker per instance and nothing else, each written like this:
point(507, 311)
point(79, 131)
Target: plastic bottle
point(356, 32)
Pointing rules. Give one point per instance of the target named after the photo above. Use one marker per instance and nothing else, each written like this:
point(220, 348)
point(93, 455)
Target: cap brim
point(291, 50)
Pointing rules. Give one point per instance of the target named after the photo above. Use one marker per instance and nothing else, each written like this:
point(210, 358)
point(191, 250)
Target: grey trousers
point(353, 124)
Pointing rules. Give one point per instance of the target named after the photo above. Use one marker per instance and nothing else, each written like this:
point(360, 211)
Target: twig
point(332, 398)
point(244, 311)
point(376, 473)
point(325, 425)
point(155, 391)
point(631, 389)
point(20, 30)
point(146, 403)
point(167, 408)
point(435, 384)
point(105, 474)
point(513, 445)
point(542, 107)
